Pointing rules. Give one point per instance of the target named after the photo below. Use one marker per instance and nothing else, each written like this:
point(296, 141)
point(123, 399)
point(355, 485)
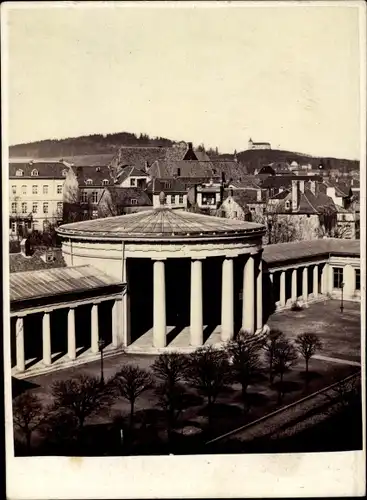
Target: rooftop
point(281, 252)
point(19, 263)
point(50, 282)
point(161, 224)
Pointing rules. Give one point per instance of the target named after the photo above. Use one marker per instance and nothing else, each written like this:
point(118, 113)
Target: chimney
point(313, 187)
point(231, 193)
point(146, 166)
point(294, 195)
point(189, 144)
point(302, 186)
point(258, 195)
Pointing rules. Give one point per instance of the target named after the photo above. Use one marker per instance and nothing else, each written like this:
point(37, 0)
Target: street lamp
point(341, 303)
point(101, 344)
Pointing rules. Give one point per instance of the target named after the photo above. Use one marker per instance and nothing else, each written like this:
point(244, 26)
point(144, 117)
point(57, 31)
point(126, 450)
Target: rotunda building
point(191, 279)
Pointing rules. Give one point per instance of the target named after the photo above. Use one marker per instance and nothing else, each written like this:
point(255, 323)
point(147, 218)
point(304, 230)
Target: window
point(24, 208)
point(167, 185)
point(24, 189)
point(45, 207)
point(14, 189)
point(358, 279)
point(180, 198)
point(14, 208)
point(19, 173)
point(178, 172)
point(84, 197)
point(342, 217)
point(287, 204)
point(338, 277)
point(45, 189)
point(95, 213)
point(46, 225)
point(105, 182)
point(132, 182)
point(34, 173)
point(134, 201)
point(64, 173)
point(59, 207)
point(235, 215)
point(59, 189)
point(89, 182)
point(34, 207)
point(94, 196)
point(34, 189)
point(13, 227)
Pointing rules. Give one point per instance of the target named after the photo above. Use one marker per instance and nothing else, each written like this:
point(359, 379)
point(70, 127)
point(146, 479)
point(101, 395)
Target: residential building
point(243, 204)
point(175, 191)
point(36, 194)
point(132, 177)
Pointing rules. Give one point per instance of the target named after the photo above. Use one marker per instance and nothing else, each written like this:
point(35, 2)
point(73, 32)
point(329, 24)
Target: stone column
point(294, 286)
point(248, 296)
point(117, 339)
point(259, 295)
point(282, 298)
point(19, 336)
point(46, 338)
point(227, 300)
point(325, 282)
point(196, 304)
point(271, 277)
point(159, 304)
point(94, 328)
point(315, 280)
point(71, 334)
point(305, 284)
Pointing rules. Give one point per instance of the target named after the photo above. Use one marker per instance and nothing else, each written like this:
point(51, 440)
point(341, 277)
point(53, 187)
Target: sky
point(219, 75)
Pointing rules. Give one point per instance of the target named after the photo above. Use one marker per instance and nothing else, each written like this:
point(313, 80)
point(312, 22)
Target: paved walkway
point(336, 360)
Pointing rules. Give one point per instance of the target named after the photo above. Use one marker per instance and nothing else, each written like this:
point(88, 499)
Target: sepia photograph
point(184, 247)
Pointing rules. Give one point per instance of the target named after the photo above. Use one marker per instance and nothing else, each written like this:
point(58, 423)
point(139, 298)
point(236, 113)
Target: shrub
point(14, 247)
point(296, 306)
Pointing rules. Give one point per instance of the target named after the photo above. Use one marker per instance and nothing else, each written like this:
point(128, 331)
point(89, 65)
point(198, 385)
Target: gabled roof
point(308, 203)
point(341, 188)
point(96, 174)
point(130, 171)
point(101, 160)
point(19, 263)
point(46, 169)
point(166, 185)
point(192, 168)
point(122, 196)
point(242, 197)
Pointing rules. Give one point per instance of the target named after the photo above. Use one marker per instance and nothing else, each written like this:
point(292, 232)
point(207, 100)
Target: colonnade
point(71, 335)
point(252, 298)
point(305, 293)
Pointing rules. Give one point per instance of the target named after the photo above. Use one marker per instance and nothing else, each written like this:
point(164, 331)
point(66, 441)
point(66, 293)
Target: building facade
point(36, 194)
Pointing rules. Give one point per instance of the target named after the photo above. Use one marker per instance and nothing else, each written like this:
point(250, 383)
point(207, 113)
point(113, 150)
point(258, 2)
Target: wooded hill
point(109, 143)
point(84, 145)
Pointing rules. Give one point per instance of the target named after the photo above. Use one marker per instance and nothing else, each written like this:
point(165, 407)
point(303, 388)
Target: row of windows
point(104, 182)
point(338, 276)
point(34, 173)
point(35, 189)
point(171, 199)
point(24, 207)
point(27, 225)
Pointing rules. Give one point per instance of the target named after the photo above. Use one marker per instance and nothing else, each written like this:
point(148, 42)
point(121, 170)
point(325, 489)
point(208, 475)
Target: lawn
point(339, 334)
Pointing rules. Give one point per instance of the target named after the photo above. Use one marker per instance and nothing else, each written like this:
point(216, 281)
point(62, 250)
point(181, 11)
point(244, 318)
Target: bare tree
point(131, 381)
point(82, 396)
point(280, 227)
point(284, 356)
point(28, 415)
point(208, 371)
point(273, 337)
point(169, 368)
point(307, 344)
point(329, 226)
point(244, 354)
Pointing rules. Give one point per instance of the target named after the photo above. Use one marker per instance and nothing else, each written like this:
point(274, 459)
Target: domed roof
point(161, 224)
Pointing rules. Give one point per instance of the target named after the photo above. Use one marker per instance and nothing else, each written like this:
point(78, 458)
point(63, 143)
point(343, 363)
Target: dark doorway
point(177, 295)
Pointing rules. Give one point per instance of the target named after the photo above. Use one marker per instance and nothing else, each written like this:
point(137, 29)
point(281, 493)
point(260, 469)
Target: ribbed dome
point(161, 223)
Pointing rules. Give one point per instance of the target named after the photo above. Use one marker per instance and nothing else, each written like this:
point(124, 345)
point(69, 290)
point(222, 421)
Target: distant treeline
point(84, 145)
point(254, 159)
